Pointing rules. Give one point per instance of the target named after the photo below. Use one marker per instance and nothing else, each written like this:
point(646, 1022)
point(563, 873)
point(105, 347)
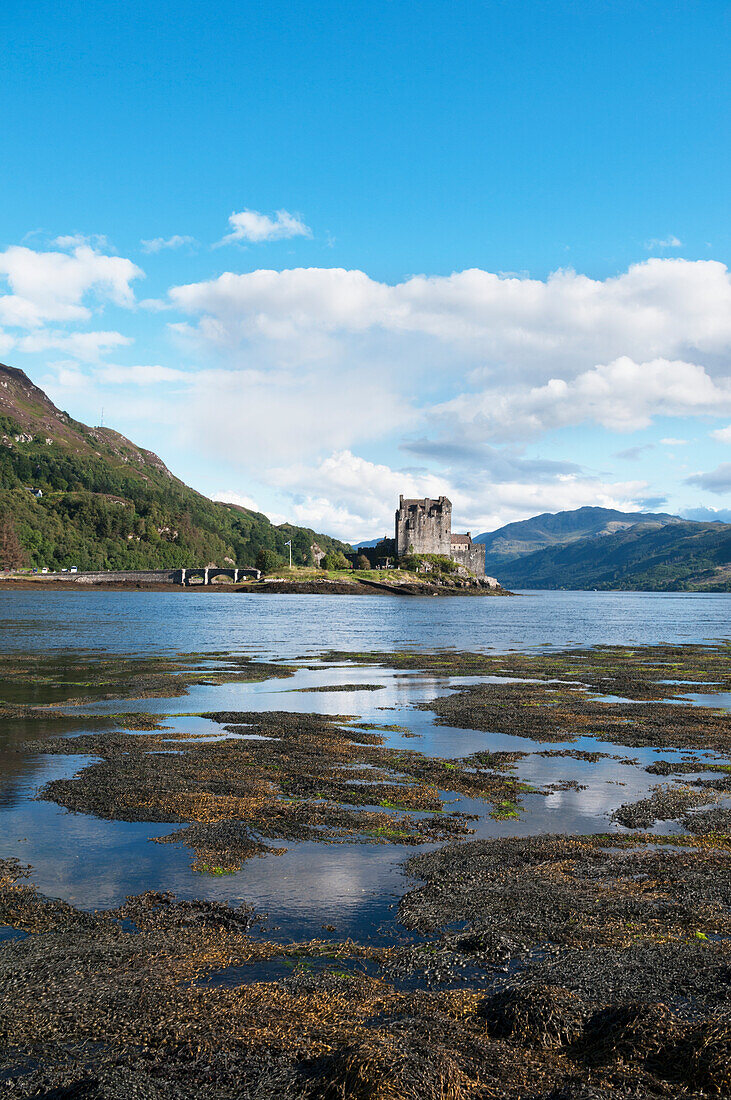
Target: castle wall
point(471, 556)
point(425, 525)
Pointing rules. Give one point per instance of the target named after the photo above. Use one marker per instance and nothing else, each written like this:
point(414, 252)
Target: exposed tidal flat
point(438, 849)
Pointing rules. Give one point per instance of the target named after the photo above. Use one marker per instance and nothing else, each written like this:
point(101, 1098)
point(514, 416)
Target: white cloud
point(230, 496)
point(7, 343)
point(348, 496)
point(159, 244)
point(353, 498)
point(87, 346)
point(320, 360)
point(671, 241)
point(139, 375)
point(505, 327)
point(67, 375)
point(305, 367)
point(250, 418)
point(669, 441)
point(250, 225)
point(97, 241)
point(715, 481)
point(55, 286)
point(621, 395)
point(723, 435)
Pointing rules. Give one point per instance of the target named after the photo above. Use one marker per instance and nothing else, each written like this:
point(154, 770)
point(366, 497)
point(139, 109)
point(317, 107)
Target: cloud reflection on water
point(352, 886)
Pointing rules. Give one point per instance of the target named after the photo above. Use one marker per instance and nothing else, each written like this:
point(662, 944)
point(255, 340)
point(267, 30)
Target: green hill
point(107, 504)
point(651, 556)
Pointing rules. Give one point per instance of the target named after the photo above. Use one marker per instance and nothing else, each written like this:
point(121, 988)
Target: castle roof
point(421, 502)
point(461, 540)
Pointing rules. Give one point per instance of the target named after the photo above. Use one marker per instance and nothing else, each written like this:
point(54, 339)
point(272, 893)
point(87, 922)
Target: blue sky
point(314, 253)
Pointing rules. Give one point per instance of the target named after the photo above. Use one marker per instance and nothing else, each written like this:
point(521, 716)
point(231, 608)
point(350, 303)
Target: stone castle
point(425, 527)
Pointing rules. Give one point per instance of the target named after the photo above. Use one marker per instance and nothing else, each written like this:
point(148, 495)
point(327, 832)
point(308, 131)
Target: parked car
point(74, 569)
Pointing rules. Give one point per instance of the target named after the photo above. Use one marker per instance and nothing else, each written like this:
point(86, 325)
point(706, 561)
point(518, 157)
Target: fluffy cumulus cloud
point(286, 379)
point(57, 285)
point(355, 499)
point(622, 395)
point(463, 368)
point(89, 347)
point(350, 495)
point(523, 328)
point(231, 496)
point(256, 228)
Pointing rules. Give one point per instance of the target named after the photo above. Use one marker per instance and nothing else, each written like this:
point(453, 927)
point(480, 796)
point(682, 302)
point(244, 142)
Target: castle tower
point(425, 525)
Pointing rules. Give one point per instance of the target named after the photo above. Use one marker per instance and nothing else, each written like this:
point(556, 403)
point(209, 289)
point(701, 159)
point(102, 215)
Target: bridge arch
point(205, 574)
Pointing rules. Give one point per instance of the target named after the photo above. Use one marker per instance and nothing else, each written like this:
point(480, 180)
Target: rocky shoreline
point(325, 587)
point(458, 587)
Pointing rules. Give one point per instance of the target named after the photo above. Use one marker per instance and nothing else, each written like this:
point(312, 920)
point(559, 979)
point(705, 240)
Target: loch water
point(353, 887)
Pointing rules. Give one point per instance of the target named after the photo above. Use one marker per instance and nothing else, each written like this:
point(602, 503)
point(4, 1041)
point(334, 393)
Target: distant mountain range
point(607, 549)
point(367, 545)
point(75, 495)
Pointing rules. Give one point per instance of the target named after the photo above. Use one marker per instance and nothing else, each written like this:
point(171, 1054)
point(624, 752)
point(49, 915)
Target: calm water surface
point(290, 625)
point(95, 863)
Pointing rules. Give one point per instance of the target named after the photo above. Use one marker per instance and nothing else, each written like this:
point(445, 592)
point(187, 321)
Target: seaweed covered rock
point(387, 1065)
point(707, 1054)
point(708, 822)
point(634, 1032)
point(10, 871)
point(156, 911)
point(666, 803)
point(536, 1015)
point(575, 891)
point(578, 1089)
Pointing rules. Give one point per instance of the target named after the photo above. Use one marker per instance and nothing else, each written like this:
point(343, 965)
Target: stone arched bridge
point(206, 574)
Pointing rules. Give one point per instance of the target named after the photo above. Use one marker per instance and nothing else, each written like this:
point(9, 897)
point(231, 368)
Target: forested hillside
point(555, 529)
point(683, 556)
point(75, 495)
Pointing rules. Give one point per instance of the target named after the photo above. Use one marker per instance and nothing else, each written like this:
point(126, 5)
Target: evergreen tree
point(12, 555)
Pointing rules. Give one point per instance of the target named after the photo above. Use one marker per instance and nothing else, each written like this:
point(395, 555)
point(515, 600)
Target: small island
point(424, 558)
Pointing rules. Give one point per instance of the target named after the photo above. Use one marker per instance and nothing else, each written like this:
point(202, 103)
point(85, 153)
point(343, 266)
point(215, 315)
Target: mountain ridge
point(644, 551)
point(561, 528)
